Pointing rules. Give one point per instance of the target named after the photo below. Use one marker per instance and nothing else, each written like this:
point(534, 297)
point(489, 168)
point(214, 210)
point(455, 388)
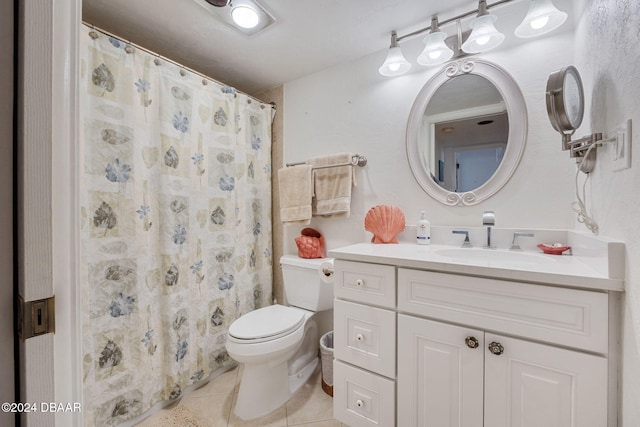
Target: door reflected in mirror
point(465, 132)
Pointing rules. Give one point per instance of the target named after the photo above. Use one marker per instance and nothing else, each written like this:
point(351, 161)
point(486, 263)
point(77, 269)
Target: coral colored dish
point(553, 250)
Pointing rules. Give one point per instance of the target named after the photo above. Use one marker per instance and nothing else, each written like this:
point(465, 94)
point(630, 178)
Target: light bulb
point(435, 55)
point(245, 16)
point(483, 40)
point(394, 67)
point(538, 23)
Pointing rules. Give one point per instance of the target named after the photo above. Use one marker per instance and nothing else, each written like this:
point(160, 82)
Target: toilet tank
point(305, 285)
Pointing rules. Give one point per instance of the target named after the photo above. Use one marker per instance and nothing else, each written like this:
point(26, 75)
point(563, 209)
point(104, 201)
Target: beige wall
point(6, 227)
point(276, 95)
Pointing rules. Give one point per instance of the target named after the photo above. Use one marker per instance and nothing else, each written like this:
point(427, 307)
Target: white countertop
point(561, 270)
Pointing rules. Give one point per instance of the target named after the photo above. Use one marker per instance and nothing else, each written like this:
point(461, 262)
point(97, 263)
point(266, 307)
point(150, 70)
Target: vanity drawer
point(568, 317)
point(365, 336)
point(361, 398)
point(368, 283)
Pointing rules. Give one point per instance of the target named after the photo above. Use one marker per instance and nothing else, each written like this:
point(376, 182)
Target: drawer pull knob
point(359, 403)
point(472, 342)
point(359, 337)
point(496, 348)
point(359, 283)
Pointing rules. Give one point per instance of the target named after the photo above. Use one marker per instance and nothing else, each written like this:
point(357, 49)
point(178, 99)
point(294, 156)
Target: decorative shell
point(310, 244)
point(385, 222)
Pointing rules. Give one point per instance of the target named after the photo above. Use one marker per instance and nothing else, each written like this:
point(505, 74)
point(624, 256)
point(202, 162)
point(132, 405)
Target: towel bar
point(356, 160)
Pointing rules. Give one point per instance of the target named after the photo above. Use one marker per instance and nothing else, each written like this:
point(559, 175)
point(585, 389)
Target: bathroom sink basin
point(495, 258)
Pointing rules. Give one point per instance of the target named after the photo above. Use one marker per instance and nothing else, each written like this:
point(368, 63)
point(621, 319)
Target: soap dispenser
point(423, 230)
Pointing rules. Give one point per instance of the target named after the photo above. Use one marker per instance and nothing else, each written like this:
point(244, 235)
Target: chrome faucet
point(467, 242)
point(515, 246)
point(489, 220)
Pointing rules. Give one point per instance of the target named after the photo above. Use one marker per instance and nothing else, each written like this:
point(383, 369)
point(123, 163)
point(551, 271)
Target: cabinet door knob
point(359, 403)
point(359, 283)
point(496, 348)
point(472, 342)
point(359, 337)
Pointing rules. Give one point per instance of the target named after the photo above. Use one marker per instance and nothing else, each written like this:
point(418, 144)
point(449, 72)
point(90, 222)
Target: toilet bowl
point(278, 344)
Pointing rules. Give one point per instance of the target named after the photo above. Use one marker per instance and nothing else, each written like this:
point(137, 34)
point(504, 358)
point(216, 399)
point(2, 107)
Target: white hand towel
point(295, 194)
point(332, 186)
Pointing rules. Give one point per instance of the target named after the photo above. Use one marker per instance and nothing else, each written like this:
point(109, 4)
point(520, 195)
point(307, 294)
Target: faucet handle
point(467, 242)
point(488, 218)
point(514, 243)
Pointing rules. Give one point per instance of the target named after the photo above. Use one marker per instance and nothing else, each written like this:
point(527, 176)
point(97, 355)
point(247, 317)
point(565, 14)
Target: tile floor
point(211, 406)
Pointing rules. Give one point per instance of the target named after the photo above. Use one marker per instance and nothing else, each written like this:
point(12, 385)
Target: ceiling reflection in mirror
point(465, 130)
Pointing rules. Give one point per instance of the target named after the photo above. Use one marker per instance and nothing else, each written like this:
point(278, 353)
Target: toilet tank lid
point(296, 261)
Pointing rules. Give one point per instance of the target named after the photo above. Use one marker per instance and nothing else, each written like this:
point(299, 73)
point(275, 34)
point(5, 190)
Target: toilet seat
point(266, 324)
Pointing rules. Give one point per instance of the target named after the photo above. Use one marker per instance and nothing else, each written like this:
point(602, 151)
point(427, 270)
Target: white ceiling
point(308, 36)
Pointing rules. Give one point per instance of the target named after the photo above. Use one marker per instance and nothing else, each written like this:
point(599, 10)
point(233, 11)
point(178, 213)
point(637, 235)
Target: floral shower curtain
point(176, 225)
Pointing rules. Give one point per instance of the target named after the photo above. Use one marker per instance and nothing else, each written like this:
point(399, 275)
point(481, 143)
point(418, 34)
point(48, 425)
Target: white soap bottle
point(423, 230)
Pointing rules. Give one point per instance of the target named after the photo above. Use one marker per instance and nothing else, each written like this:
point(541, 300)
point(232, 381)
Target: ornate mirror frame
point(517, 112)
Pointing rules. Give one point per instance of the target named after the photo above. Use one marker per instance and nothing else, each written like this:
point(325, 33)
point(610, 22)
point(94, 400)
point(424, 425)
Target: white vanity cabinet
point(424, 348)
point(449, 376)
point(521, 373)
point(364, 339)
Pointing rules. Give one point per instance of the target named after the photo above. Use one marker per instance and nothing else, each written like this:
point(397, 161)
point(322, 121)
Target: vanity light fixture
point(435, 50)
point(395, 64)
point(484, 35)
point(542, 18)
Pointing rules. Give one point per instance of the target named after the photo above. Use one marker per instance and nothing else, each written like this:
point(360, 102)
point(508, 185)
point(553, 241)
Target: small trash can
point(326, 357)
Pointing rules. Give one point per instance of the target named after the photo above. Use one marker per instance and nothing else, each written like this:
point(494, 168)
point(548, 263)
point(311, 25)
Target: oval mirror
point(466, 132)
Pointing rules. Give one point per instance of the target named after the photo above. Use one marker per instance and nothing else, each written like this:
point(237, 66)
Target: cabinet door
point(531, 385)
point(440, 376)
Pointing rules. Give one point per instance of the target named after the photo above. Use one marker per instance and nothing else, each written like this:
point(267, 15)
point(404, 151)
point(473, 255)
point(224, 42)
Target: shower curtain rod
point(144, 49)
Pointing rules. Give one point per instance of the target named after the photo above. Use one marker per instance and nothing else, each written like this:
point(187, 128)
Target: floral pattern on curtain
point(176, 225)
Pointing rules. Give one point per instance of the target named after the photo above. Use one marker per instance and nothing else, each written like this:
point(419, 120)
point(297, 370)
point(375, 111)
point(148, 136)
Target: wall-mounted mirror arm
point(583, 150)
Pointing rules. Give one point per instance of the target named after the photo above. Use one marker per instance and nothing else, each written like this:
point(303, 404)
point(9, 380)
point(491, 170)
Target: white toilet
point(279, 344)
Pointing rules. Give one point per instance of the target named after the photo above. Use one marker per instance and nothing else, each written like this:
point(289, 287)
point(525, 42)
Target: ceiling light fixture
point(541, 18)
point(396, 63)
point(247, 16)
point(218, 3)
point(435, 50)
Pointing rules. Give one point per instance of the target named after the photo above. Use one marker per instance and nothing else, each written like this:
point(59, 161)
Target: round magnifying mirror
point(565, 100)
